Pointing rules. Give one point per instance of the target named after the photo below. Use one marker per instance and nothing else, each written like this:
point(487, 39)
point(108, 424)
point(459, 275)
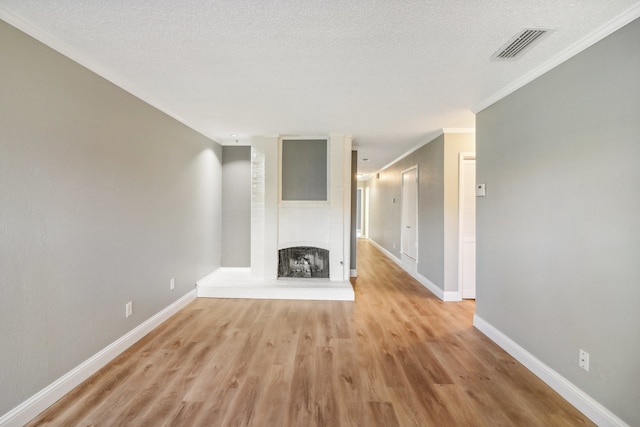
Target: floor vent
point(520, 43)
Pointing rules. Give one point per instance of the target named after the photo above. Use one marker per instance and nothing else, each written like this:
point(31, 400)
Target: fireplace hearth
point(303, 262)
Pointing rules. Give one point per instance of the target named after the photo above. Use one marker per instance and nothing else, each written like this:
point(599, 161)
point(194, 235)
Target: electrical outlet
point(583, 360)
point(172, 284)
point(128, 309)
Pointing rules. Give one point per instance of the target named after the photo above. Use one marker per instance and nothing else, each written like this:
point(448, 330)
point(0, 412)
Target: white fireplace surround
point(276, 225)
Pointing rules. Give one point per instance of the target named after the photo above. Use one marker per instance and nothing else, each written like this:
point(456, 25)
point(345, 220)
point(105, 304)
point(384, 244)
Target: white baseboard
point(451, 296)
point(582, 401)
point(444, 296)
point(409, 264)
point(30, 408)
point(430, 285)
point(211, 276)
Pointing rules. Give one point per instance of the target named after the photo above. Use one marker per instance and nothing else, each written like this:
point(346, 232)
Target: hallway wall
point(437, 163)
point(558, 240)
point(104, 200)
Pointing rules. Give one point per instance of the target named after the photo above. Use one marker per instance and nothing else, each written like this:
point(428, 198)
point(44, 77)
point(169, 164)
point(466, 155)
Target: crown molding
point(603, 31)
point(458, 130)
point(63, 48)
point(429, 138)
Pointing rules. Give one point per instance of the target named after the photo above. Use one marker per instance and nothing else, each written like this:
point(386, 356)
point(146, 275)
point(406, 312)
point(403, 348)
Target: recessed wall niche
point(304, 170)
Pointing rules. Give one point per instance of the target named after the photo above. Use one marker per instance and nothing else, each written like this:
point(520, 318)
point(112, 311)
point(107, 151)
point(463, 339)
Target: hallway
point(397, 356)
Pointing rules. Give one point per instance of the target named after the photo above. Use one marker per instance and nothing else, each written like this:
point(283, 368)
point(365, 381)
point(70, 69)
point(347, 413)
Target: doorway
point(409, 215)
point(359, 212)
point(467, 226)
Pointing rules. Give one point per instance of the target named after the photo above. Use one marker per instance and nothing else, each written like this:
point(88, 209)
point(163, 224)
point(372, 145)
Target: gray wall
point(103, 200)
point(385, 208)
point(438, 215)
point(558, 243)
point(236, 206)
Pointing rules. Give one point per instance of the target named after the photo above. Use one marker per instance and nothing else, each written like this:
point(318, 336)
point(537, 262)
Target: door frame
point(366, 212)
point(360, 198)
point(461, 158)
point(409, 169)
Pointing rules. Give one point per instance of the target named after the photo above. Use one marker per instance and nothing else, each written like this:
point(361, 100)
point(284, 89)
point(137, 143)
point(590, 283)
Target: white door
point(359, 212)
point(467, 226)
point(410, 213)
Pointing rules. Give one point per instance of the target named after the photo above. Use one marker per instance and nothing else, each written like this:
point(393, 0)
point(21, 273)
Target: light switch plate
point(481, 190)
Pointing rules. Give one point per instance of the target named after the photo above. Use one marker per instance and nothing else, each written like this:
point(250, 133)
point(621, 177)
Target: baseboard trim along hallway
point(443, 295)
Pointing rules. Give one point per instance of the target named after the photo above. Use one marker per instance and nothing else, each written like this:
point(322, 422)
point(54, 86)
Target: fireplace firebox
point(303, 262)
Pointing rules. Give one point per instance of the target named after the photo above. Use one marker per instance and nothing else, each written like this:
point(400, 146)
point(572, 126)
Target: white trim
point(458, 130)
point(409, 264)
point(429, 285)
point(210, 277)
point(417, 196)
point(600, 33)
point(71, 53)
point(451, 296)
point(421, 144)
point(46, 397)
point(346, 176)
point(578, 398)
point(361, 197)
point(354, 272)
point(295, 243)
point(462, 156)
point(366, 212)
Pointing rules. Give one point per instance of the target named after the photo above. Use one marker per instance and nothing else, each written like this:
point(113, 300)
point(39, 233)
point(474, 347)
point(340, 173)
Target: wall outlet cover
point(583, 360)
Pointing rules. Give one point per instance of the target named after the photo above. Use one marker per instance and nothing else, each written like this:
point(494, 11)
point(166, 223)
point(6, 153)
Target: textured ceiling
point(391, 73)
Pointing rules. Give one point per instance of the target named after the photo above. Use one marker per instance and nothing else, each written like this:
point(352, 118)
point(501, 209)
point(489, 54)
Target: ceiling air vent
point(519, 43)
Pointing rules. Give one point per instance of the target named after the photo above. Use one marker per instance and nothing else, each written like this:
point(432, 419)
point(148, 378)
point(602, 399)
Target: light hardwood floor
point(397, 356)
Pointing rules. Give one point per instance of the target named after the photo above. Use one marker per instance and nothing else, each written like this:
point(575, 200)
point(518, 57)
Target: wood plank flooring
point(397, 356)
